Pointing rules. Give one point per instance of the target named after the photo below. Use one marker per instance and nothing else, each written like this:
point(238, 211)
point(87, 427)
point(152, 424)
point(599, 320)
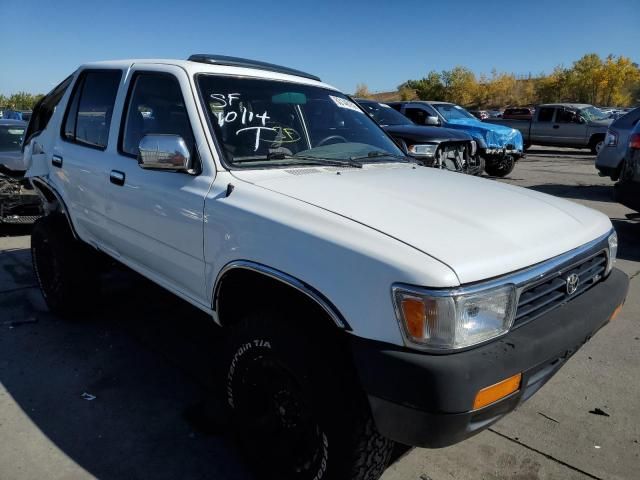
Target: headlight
point(423, 150)
point(449, 319)
point(613, 252)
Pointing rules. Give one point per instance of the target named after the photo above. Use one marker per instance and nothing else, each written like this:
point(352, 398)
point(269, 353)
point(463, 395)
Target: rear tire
point(500, 167)
point(66, 269)
point(297, 408)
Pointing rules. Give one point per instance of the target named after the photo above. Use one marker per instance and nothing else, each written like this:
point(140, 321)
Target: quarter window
point(156, 106)
point(88, 117)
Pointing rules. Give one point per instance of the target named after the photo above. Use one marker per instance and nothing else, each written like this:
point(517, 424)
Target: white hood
point(478, 227)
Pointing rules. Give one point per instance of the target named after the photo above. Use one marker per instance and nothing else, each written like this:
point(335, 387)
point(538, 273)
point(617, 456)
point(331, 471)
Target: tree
point(362, 91)
point(460, 85)
point(613, 81)
point(428, 88)
point(20, 100)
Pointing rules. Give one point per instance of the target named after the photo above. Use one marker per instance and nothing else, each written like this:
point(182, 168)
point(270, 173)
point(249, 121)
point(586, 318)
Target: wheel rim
point(599, 146)
point(276, 419)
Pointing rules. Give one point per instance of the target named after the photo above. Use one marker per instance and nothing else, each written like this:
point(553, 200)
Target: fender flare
point(53, 201)
point(310, 292)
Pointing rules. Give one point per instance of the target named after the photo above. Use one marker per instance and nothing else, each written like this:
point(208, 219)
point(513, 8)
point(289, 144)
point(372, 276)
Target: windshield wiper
point(380, 153)
point(336, 162)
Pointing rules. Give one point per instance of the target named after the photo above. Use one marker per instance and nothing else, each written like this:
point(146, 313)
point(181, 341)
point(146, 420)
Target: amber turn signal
point(498, 391)
point(616, 312)
point(414, 316)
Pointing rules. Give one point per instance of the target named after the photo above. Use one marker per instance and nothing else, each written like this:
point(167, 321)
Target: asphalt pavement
point(121, 394)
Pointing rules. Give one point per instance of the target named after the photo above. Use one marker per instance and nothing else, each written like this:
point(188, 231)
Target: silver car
point(610, 157)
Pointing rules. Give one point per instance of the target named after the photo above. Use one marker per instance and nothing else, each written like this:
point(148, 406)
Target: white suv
point(367, 299)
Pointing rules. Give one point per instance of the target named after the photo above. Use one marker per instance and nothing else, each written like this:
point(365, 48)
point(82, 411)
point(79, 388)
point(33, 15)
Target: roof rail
point(247, 63)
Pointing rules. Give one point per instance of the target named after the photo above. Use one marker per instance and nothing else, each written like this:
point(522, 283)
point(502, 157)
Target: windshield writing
point(262, 123)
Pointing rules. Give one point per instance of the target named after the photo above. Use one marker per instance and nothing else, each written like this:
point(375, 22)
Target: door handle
point(56, 161)
point(117, 177)
point(556, 126)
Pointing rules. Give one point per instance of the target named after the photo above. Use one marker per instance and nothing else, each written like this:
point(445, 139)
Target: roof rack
point(245, 62)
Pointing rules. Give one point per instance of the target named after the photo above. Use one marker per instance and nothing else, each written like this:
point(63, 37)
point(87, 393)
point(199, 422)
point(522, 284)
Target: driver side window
point(417, 115)
point(155, 106)
point(566, 116)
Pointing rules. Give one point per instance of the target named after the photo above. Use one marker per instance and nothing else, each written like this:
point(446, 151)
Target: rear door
point(79, 164)
point(156, 217)
point(542, 130)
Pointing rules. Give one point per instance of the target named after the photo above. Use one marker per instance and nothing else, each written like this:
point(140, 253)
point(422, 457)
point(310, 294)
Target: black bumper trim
point(426, 400)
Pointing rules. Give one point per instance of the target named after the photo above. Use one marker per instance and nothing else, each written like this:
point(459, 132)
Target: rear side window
point(90, 109)
point(155, 106)
point(43, 111)
point(546, 114)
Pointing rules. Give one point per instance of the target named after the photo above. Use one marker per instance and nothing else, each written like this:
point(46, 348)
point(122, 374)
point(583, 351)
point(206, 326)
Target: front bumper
point(501, 152)
point(19, 202)
point(426, 400)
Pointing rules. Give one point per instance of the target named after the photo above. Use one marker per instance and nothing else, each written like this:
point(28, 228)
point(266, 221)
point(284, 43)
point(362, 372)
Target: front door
point(156, 217)
point(569, 130)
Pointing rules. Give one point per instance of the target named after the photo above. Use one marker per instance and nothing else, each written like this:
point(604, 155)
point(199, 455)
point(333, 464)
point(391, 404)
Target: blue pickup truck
point(499, 146)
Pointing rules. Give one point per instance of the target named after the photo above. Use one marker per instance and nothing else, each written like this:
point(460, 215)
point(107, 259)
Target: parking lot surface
point(121, 393)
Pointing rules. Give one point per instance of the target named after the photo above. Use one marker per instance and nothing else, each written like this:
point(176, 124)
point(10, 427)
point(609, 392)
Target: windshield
point(452, 112)
point(11, 138)
point(267, 123)
point(593, 113)
point(384, 114)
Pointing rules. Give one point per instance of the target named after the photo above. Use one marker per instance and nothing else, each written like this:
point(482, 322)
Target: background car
point(432, 146)
point(609, 160)
point(627, 190)
point(500, 146)
point(480, 114)
point(19, 202)
point(518, 113)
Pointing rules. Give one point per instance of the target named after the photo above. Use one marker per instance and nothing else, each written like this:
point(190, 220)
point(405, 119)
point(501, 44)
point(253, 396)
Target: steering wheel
point(329, 138)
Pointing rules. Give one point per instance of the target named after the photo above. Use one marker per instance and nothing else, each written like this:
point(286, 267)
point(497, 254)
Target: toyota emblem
point(572, 283)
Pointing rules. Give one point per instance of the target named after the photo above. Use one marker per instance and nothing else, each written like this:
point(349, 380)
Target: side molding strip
point(299, 285)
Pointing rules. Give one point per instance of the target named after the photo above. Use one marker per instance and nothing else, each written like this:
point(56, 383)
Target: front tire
point(596, 145)
point(500, 167)
point(296, 405)
point(66, 269)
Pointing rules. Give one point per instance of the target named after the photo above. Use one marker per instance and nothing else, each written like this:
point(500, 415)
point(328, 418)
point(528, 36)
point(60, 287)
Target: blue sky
point(380, 43)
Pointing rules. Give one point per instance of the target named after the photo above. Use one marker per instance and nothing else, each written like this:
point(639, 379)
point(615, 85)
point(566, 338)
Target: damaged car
point(499, 146)
point(19, 202)
point(431, 146)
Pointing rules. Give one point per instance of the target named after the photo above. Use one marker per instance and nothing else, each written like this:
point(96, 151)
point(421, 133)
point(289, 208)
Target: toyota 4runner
point(355, 313)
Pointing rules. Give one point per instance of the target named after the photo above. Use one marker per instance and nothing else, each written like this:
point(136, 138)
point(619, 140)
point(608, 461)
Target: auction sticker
point(344, 103)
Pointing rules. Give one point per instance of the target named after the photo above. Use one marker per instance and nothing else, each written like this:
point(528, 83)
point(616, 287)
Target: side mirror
point(581, 119)
point(164, 152)
point(432, 121)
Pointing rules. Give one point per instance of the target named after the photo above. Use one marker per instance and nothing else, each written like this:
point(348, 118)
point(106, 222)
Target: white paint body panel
point(480, 228)
point(349, 236)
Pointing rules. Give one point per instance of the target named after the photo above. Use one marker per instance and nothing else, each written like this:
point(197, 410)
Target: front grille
point(540, 297)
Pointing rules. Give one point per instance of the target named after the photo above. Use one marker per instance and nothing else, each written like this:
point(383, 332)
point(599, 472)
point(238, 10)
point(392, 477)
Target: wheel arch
point(595, 137)
point(262, 276)
point(53, 202)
